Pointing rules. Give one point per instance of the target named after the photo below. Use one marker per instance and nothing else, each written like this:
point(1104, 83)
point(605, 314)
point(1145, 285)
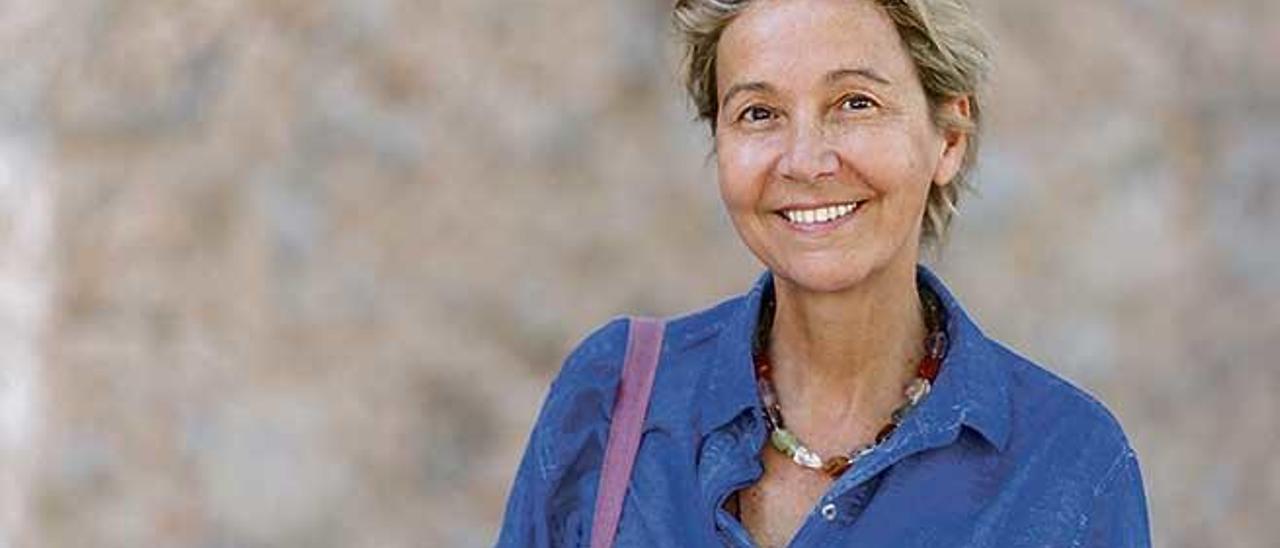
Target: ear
point(954, 142)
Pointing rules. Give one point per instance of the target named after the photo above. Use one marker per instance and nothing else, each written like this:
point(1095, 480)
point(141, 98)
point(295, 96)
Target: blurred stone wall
point(297, 272)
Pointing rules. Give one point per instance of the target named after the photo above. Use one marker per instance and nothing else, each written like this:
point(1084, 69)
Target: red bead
point(763, 368)
point(929, 367)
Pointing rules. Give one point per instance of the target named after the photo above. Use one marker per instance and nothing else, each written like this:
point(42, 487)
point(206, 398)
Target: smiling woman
point(844, 131)
point(823, 98)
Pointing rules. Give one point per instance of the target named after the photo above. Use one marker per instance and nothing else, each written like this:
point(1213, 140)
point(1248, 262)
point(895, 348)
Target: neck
point(848, 352)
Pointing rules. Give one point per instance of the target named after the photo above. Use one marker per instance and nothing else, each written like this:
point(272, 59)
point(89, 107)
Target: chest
point(775, 507)
point(960, 494)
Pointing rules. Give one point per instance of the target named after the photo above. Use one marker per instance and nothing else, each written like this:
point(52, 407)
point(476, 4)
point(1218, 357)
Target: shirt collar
point(972, 387)
point(974, 373)
point(731, 383)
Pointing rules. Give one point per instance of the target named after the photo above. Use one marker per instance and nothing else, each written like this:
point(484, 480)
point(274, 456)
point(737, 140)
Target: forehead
point(799, 41)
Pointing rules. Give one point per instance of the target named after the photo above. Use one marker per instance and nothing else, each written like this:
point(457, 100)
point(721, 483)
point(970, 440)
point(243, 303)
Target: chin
point(827, 276)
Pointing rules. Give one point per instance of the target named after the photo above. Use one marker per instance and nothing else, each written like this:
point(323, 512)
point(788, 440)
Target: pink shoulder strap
point(644, 344)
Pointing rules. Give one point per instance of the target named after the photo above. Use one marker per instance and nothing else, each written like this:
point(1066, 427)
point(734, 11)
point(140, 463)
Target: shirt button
point(829, 511)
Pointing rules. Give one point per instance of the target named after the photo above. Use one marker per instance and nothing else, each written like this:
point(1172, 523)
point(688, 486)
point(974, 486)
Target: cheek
point(743, 166)
point(888, 159)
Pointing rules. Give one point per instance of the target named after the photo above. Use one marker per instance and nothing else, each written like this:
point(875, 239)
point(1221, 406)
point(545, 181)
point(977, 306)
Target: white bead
point(807, 458)
point(917, 390)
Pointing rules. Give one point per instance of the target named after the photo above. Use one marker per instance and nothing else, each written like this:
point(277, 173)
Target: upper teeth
point(819, 215)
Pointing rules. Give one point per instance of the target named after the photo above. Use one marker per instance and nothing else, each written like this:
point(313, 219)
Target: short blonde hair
point(950, 51)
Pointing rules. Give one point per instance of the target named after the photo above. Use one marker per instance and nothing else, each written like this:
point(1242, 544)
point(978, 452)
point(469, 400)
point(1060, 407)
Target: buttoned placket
point(829, 511)
point(846, 499)
point(743, 469)
point(846, 508)
point(840, 507)
point(850, 494)
point(834, 512)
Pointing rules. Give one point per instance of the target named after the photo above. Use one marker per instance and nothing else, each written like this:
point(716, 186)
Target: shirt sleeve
point(548, 505)
point(1119, 515)
point(525, 521)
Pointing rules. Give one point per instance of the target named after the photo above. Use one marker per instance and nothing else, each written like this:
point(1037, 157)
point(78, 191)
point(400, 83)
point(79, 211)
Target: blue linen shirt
point(1001, 453)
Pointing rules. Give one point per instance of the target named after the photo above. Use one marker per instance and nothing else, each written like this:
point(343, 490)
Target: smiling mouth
point(820, 215)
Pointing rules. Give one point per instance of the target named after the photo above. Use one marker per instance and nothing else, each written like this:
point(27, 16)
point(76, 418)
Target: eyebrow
point(832, 77)
point(742, 87)
point(860, 72)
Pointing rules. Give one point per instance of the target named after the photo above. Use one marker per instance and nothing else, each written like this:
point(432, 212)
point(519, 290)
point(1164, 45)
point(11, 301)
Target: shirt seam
point(1117, 465)
point(1112, 471)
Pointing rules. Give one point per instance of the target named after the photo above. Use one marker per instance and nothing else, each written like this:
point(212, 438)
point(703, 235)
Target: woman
point(847, 398)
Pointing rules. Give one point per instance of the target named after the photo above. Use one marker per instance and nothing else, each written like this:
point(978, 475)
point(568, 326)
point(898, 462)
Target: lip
point(819, 229)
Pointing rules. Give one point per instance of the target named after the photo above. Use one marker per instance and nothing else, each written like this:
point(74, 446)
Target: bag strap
point(644, 344)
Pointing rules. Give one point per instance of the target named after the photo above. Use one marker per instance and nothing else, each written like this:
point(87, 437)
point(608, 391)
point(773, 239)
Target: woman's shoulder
point(580, 401)
point(599, 355)
point(1070, 452)
point(599, 352)
point(1048, 408)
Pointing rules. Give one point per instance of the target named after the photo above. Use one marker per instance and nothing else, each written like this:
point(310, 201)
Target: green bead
point(784, 441)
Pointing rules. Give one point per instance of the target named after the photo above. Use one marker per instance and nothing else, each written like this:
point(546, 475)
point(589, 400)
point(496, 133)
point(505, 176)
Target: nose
point(809, 156)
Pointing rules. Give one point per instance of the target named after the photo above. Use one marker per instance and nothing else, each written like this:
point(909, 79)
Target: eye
point(857, 102)
point(755, 113)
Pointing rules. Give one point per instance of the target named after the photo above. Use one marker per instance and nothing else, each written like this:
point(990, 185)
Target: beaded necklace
point(935, 349)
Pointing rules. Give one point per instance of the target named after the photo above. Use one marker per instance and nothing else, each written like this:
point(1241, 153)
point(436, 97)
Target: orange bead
point(884, 432)
point(836, 465)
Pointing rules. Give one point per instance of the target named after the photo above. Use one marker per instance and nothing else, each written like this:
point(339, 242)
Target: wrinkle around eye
point(866, 102)
point(745, 115)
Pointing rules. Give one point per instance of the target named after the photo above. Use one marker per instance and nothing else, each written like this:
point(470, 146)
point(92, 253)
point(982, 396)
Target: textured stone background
point(297, 272)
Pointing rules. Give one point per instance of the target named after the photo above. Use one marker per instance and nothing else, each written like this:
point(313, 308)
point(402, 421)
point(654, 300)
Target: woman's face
point(824, 140)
